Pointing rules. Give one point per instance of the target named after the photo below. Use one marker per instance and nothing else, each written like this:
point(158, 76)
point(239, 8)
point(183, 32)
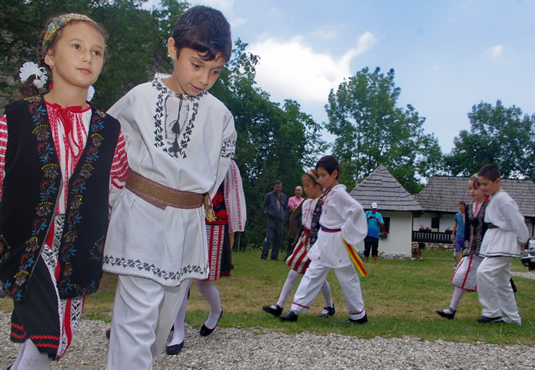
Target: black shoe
point(174, 349)
point(290, 316)
point(274, 311)
point(205, 331)
point(275, 259)
point(486, 319)
point(263, 258)
point(330, 312)
point(108, 333)
point(362, 320)
point(448, 316)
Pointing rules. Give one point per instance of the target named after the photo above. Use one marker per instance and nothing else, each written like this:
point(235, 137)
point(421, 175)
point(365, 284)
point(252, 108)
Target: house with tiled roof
point(396, 206)
point(441, 196)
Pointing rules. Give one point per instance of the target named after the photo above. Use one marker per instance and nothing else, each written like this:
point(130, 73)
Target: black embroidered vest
point(31, 185)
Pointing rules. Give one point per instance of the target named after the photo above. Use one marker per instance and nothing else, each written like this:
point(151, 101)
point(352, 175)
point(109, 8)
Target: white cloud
point(324, 34)
point(292, 70)
point(496, 51)
point(217, 4)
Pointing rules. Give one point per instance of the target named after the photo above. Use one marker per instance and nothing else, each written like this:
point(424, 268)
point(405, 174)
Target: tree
point(498, 135)
point(274, 142)
point(136, 47)
point(371, 130)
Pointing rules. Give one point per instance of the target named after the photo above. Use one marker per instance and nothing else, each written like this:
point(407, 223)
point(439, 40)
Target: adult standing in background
point(371, 242)
point(275, 204)
point(296, 200)
point(457, 236)
point(294, 217)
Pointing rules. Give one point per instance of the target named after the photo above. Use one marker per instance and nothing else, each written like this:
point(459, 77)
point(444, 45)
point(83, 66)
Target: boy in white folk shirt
point(342, 218)
point(507, 232)
point(179, 140)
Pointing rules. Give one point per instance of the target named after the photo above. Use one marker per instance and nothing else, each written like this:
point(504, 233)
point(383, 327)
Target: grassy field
point(400, 298)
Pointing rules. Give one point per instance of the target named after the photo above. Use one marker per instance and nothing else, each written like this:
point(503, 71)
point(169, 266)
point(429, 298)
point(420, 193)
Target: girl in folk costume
point(230, 211)
point(56, 155)
point(308, 234)
point(465, 275)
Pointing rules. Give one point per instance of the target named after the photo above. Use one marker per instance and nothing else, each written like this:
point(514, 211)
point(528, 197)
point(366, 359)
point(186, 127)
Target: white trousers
point(313, 280)
point(143, 313)
point(494, 289)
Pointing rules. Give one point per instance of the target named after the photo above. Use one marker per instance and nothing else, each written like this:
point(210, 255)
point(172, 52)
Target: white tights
point(209, 291)
point(30, 358)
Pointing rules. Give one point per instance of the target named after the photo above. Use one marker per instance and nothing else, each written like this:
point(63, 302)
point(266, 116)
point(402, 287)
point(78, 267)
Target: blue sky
point(447, 54)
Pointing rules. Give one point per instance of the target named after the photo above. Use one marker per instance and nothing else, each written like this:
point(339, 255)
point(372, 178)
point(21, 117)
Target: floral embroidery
point(228, 148)
point(177, 149)
point(97, 250)
point(144, 266)
point(4, 248)
point(73, 215)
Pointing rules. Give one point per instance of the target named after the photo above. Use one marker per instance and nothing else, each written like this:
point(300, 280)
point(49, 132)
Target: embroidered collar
point(172, 134)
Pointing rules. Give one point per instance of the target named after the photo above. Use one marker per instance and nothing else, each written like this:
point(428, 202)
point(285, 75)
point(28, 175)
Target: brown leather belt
point(160, 195)
point(492, 226)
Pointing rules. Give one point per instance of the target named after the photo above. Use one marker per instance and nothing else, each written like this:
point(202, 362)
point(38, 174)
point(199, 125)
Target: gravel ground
point(235, 348)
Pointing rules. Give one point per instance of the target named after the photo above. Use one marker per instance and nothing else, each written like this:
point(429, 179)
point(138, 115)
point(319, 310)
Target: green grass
point(400, 298)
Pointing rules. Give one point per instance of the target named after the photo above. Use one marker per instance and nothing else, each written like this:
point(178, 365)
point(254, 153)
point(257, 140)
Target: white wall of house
point(400, 236)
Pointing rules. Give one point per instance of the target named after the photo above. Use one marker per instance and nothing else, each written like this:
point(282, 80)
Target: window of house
point(386, 226)
point(435, 223)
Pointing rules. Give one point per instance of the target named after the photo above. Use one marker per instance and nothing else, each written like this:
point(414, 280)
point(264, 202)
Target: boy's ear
point(337, 173)
point(171, 48)
point(498, 181)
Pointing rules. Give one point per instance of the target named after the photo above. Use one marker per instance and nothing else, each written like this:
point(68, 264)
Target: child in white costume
point(298, 260)
point(507, 232)
point(342, 218)
point(180, 141)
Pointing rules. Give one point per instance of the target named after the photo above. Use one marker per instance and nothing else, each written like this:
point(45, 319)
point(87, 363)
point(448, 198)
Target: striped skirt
point(299, 260)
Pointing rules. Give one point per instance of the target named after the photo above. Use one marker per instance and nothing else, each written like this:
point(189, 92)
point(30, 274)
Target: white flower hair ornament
point(29, 69)
point(90, 93)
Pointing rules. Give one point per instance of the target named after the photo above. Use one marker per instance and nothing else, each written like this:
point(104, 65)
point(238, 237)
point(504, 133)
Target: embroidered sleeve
point(119, 167)
point(119, 170)
point(3, 147)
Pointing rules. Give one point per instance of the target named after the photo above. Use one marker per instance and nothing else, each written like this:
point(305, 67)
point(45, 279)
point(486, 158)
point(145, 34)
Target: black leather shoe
point(331, 312)
point(290, 316)
point(205, 331)
point(174, 349)
point(275, 259)
point(448, 316)
point(274, 311)
point(108, 333)
point(362, 320)
point(486, 319)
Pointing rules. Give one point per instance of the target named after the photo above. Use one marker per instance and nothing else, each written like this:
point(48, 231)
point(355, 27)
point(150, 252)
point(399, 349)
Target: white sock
point(326, 289)
point(178, 333)
point(287, 287)
point(455, 298)
point(30, 358)
point(211, 294)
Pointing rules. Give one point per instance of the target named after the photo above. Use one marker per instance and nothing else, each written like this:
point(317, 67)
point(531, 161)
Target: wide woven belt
point(160, 195)
point(492, 226)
